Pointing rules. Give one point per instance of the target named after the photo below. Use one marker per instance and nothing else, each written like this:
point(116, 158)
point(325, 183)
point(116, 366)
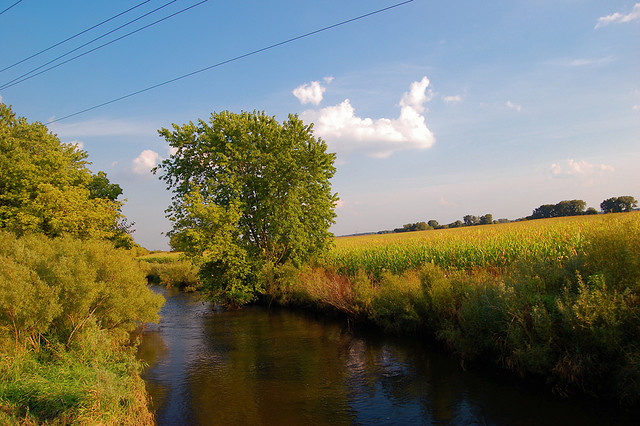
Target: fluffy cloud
point(619, 18)
point(579, 168)
point(311, 92)
point(345, 132)
point(144, 162)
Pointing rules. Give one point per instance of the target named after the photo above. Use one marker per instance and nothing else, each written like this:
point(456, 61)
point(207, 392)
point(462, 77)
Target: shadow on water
point(261, 366)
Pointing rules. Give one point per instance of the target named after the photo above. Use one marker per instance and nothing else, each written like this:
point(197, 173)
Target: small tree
point(486, 219)
point(470, 220)
point(249, 192)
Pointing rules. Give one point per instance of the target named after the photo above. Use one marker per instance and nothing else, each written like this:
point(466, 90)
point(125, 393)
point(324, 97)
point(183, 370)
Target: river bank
point(66, 309)
point(563, 313)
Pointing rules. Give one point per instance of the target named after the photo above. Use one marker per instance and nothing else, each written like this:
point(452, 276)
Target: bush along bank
point(571, 321)
point(66, 310)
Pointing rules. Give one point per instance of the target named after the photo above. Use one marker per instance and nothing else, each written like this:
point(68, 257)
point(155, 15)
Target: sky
point(435, 110)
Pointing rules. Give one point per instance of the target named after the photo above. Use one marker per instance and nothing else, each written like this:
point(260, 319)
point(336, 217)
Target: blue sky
point(435, 109)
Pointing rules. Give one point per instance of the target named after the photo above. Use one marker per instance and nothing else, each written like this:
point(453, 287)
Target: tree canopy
point(563, 208)
point(625, 203)
point(248, 192)
point(46, 187)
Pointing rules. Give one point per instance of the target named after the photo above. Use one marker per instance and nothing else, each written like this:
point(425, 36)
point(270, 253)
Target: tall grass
point(555, 300)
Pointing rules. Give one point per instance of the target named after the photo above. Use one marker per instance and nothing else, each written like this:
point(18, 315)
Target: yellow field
point(470, 247)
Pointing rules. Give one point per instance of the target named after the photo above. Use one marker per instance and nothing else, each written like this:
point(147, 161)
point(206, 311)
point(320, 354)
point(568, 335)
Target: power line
point(73, 36)
point(10, 7)
point(155, 86)
point(22, 78)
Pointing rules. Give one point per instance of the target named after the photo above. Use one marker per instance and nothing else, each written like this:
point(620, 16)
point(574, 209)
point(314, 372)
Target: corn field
point(487, 246)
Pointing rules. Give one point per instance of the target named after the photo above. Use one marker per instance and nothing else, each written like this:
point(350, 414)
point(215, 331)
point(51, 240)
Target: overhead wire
point(24, 77)
point(73, 36)
point(254, 52)
point(10, 7)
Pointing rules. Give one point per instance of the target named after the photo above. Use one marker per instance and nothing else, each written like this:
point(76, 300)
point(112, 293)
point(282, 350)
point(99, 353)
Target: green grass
point(93, 382)
point(161, 257)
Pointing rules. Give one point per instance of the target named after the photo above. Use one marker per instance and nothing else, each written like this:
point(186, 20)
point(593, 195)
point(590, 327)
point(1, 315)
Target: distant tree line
point(625, 203)
point(468, 220)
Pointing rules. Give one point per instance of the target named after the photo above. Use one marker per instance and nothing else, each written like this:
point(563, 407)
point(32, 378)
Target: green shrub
point(398, 303)
point(67, 306)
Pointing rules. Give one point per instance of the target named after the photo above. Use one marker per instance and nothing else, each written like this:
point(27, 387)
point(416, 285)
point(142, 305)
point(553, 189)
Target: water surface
point(263, 366)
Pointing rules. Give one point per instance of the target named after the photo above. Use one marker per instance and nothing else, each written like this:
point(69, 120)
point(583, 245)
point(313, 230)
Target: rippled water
point(273, 366)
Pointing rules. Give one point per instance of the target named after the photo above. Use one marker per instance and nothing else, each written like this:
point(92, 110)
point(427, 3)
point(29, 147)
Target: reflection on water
point(260, 366)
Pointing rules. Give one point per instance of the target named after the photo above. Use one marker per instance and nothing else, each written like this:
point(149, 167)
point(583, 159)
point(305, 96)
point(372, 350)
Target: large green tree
point(46, 187)
point(249, 192)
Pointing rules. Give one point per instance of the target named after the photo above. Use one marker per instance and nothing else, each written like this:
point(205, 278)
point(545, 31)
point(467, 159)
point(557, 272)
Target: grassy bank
point(170, 269)
point(556, 301)
point(66, 309)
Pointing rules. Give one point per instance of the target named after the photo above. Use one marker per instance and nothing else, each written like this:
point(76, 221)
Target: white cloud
point(102, 127)
point(452, 99)
point(636, 108)
point(514, 106)
point(417, 95)
point(345, 132)
point(579, 168)
point(144, 162)
point(619, 18)
point(311, 92)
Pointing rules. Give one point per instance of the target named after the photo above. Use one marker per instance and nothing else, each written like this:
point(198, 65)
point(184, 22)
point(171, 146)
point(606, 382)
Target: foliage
point(561, 209)
point(181, 274)
point(54, 288)
point(410, 227)
point(625, 203)
point(45, 186)
point(249, 191)
point(66, 309)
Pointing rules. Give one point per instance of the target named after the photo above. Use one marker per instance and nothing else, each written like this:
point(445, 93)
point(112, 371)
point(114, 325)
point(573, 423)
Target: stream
point(261, 366)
